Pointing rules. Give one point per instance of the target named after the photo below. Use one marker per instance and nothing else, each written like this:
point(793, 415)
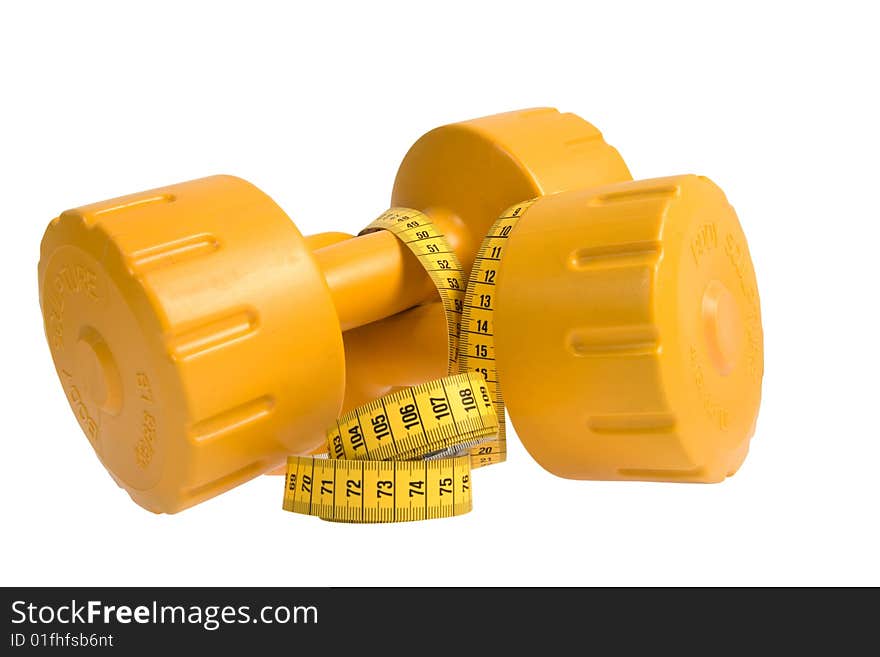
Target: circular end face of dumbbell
point(628, 332)
point(193, 334)
point(465, 174)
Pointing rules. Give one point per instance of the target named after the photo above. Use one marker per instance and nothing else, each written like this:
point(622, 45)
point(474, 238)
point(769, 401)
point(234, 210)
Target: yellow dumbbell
point(623, 326)
point(638, 302)
point(200, 338)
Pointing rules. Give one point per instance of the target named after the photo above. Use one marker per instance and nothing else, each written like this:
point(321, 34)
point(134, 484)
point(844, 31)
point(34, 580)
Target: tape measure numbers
point(428, 244)
point(378, 491)
point(433, 422)
point(476, 336)
point(408, 455)
point(433, 419)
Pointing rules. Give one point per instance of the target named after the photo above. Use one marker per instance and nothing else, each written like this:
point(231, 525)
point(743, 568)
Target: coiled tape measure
point(408, 455)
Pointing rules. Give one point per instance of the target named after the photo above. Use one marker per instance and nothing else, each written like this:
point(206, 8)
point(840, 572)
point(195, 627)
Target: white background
point(317, 103)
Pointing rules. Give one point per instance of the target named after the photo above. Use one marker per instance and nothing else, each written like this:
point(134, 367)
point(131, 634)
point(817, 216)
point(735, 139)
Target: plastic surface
point(639, 301)
point(194, 335)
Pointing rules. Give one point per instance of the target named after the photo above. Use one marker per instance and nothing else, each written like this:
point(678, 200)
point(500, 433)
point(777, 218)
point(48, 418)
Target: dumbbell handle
point(370, 276)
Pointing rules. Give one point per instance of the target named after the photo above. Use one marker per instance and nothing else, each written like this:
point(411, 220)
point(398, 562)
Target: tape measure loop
point(408, 455)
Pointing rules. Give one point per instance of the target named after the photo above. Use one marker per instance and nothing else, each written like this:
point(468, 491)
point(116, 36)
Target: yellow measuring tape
point(408, 455)
point(476, 335)
point(371, 475)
